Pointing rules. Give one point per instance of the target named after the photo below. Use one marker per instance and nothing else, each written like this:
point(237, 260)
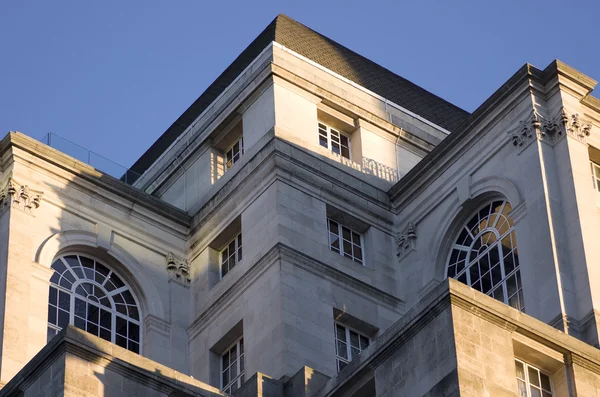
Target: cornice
point(516, 89)
point(97, 351)
point(282, 158)
point(296, 258)
point(100, 180)
point(453, 294)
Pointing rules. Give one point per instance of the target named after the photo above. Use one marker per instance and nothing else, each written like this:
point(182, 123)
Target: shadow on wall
point(108, 224)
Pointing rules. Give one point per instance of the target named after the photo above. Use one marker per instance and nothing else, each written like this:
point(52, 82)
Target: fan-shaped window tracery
point(90, 296)
point(485, 257)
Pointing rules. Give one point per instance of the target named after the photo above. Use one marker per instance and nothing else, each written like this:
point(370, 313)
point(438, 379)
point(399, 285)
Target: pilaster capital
point(178, 269)
point(19, 196)
point(549, 129)
point(406, 241)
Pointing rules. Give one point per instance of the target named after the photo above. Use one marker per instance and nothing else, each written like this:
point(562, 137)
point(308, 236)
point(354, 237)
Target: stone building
point(298, 232)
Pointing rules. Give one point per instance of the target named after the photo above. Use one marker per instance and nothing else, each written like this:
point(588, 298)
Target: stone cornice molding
point(100, 352)
point(83, 172)
point(452, 293)
point(278, 252)
point(19, 196)
point(275, 158)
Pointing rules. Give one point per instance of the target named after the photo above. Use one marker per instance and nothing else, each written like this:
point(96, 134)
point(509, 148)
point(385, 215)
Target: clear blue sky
point(112, 75)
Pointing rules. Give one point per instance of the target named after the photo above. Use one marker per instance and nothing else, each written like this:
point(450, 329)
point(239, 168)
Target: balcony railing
point(95, 160)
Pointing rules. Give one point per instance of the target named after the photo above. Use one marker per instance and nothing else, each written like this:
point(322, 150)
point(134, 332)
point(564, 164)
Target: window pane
point(533, 376)
point(520, 370)
point(226, 377)
point(345, 152)
point(52, 315)
point(534, 391)
point(364, 342)
point(79, 323)
point(354, 339)
point(63, 318)
point(335, 147)
point(323, 141)
point(340, 332)
point(545, 382)
point(341, 349)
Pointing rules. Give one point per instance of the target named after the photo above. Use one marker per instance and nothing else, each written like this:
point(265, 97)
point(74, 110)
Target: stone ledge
point(107, 355)
point(455, 294)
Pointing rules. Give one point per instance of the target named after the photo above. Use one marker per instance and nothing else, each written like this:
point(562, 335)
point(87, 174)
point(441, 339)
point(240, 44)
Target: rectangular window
point(345, 241)
point(348, 344)
point(595, 175)
point(232, 367)
point(231, 255)
point(234, 153)
point(334, 140)
point(531, 382)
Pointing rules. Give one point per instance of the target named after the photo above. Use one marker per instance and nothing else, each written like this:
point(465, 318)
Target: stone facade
point(403, 191)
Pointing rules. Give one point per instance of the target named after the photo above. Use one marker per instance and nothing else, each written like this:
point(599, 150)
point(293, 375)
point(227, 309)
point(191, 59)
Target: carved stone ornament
point(406, 241)
point(577, 127)
point(14, 195)
point(549, 130)
point(526, 132)
point(178, 269)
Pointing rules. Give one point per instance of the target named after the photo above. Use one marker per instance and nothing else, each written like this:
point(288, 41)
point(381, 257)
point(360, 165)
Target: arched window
point(485, 257)
point(90, 296)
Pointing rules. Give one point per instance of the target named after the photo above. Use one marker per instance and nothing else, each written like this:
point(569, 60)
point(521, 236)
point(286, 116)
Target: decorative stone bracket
point(406, 241)
point(14, 195)
point(178, 269)
point(549, 130)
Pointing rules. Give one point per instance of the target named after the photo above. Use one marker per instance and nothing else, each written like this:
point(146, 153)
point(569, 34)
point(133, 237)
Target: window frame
point(239, 140)
point(238, 254)
point(349, 346)
point(341, 250)
point(526, 380)
point(81, 278)
point(240, 365)
point(595, 175)
point(328, 129)
point(500, 288)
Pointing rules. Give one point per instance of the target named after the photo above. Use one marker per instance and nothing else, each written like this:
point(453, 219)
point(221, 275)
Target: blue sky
point(113, 75)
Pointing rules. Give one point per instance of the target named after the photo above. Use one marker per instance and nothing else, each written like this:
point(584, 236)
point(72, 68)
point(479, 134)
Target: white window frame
point(240, 366)
point(238, 250)
point(240, 140)
point(595, 175)
point(347, 330)
point(330, 131)
point(512, 277)
point(81, 277)
point(526, 381)
point(361, 260)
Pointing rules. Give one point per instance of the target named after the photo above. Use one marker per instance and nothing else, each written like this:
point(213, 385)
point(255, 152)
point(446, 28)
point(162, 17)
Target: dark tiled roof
point(329, 54)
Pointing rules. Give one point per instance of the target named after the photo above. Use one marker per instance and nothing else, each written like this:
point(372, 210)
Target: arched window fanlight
point(90, 296)
point(485, 256)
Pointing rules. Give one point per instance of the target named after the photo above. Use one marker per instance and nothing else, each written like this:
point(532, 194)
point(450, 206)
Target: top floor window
point(88, 295)
point(234, 153)
point(334, 140)
point(485, 257)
